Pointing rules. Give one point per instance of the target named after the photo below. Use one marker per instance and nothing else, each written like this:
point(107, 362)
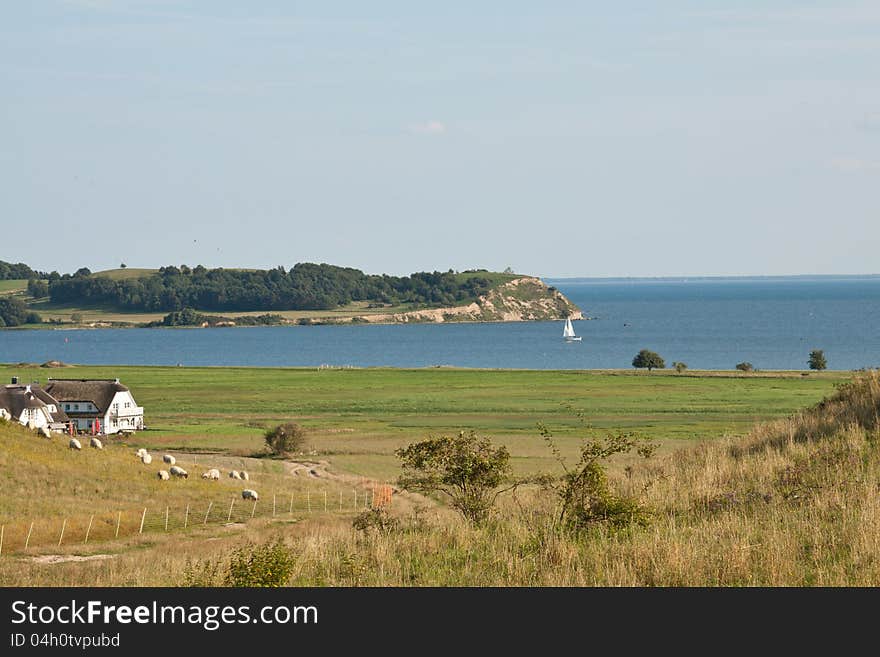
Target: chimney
point(15, 380)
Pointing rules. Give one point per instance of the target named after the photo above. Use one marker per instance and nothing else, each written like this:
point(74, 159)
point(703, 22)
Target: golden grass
point(794, 503)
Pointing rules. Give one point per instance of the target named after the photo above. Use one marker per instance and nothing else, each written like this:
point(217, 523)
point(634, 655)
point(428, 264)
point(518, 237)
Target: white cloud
point(431, 127)
point(854, 164)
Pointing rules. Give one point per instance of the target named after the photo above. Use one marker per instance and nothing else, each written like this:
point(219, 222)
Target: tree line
point(306, 286)
point(18, 271)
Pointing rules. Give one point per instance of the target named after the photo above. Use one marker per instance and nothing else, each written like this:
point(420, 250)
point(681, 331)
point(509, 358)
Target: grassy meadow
point(793, 502)
point(13, 286)
point(358, 417)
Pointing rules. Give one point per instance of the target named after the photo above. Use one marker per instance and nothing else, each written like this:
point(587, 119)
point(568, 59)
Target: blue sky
point(560, 139)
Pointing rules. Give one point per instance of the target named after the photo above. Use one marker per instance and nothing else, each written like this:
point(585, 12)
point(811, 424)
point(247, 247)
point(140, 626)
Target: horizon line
point(704, 277)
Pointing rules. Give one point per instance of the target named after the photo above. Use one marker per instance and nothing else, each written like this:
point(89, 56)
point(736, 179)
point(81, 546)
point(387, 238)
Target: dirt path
point(403, 501)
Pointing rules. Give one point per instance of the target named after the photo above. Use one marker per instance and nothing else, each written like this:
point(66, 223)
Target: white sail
point(568, 331)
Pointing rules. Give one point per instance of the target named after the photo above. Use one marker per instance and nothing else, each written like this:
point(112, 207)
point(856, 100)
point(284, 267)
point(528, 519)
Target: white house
point(31, 406)
point(97, 405)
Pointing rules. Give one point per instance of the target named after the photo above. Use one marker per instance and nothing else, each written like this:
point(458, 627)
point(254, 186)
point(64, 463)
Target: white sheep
point(140, 453)
point(234, 474)
point(146, 458)
point(244, 475)
point(96, 443)
point(248, 494)
point(212, 474)
point(74, 444)
point(163, 475)
point(177, 471)
point(170, 460)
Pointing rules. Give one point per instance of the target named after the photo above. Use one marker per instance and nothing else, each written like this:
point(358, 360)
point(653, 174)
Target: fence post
point(63, 525)
point(166, 518)
point(208, 512)
point(340, 500)
point(186, 517)
point(118, 522)
point(254, 510)
point(28, 539)
point(290, 510)
point(88, 529)
point(143, 515)
point(230, 509)
point(373, 497)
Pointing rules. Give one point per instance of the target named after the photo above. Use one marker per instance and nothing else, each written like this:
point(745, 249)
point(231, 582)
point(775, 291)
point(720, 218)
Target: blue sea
point(772, 323)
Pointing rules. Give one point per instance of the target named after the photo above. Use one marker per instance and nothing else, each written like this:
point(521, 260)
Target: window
point(76, 407)
point(67, 407)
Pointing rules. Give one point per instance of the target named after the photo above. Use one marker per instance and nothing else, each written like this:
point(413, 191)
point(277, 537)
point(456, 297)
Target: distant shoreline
point(688, 279)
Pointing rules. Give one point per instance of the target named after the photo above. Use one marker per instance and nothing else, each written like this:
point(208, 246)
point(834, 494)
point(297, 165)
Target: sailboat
point(568, 332)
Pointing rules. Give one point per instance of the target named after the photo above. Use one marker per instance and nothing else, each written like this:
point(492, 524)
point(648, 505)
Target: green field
point(12, 286)
point(127, 273)
point(357, 417)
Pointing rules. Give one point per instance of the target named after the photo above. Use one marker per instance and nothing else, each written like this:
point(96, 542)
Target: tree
point(649, 359)
point(745, 367)
point(37, 288)
point(679, 366)
point(76, 318)
point(467, 469)
point(285, 439)
point(817, 360)
point(14, 312)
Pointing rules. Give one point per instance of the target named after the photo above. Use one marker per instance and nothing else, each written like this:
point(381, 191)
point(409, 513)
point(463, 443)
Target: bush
point(679, 367)
point(286, 438)
point(465, 468)
point(266, 565)
point(745, 367)
point(649, 359)
point(586, 495)
point(378, 520)
point(817, 360)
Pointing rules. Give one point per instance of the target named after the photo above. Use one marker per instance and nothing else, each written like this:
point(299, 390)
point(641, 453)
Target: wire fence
point(81, 529)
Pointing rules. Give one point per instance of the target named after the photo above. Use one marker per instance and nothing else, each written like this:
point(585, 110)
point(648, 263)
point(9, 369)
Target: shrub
point(817, 360)
point(266, 565)
point(286, 438)
point(679, 366)
point(585, 492)
point(465, 468)
point(378, 520)
point(745, 367)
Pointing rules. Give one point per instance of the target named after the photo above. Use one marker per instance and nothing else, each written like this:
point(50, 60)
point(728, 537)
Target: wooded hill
point(306, 286)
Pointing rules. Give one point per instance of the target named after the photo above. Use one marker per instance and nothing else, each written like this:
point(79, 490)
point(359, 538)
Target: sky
point(559, 139)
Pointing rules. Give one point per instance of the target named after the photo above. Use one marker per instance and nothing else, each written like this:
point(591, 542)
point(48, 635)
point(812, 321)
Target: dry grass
point(794, 503)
